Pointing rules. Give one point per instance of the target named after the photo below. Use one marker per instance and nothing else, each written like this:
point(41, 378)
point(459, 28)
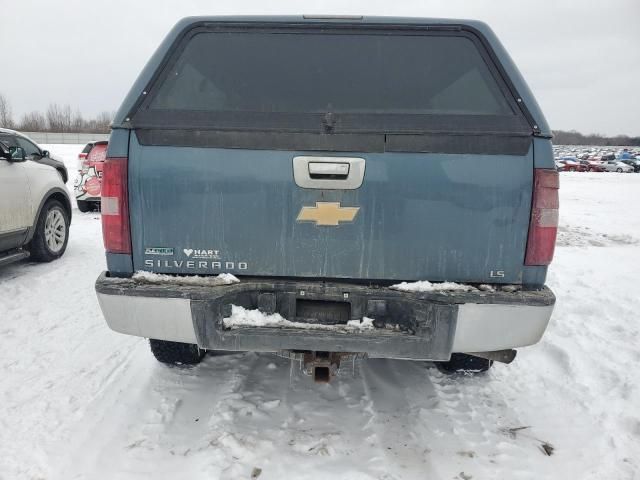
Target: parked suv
point(35, 211)
point(88, 184)
point(32, 151)
point(368, 186)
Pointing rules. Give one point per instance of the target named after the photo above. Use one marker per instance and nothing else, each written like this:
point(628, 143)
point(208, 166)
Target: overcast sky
point(580, 57)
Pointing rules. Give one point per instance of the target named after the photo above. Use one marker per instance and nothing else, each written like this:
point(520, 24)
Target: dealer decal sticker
point(158, 251)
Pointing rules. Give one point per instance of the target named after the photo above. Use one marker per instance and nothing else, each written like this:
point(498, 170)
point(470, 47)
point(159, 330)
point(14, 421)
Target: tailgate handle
point(328, 173)
point(339, 171)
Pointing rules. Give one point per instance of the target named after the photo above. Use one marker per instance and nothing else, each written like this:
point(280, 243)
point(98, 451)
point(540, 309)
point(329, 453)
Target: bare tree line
point(60, 118)
point(561, 137)
point(57, 118)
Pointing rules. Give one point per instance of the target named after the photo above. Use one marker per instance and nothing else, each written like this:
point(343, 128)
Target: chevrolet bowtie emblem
point(328, 214)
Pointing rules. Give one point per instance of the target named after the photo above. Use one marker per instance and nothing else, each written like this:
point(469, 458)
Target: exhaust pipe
point(502, 356)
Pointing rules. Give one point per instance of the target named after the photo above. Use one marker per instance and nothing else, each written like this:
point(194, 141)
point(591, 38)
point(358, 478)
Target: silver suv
point(35, 210)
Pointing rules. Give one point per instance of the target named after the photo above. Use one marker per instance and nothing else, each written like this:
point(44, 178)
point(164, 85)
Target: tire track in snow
point(276, 422)
point(153, 423)
point(405, 448)
point(457, 426)
point(494, 426)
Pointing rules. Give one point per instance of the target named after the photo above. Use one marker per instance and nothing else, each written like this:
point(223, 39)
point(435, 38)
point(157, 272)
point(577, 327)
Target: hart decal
point(197, 253)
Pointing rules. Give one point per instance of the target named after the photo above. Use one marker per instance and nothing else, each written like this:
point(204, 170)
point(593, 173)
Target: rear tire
point(50, 239)
point(83, 206)
point(176, 353)
point(463, 363)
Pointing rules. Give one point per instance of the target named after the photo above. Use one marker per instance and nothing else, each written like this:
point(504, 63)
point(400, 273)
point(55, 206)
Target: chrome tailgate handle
point(331, 173)
point(328, 169)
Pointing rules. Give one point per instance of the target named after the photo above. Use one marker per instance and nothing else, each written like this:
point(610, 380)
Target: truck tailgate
point(453, 217)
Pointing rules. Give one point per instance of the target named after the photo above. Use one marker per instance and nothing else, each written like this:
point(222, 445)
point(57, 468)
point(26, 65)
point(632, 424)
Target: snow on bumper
point(413, 325)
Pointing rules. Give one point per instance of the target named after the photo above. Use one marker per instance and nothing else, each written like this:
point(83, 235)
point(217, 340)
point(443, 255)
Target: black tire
point(175, 353)
point(83, 206)
point(39, 248)
point(461, 362)
point(619, 170)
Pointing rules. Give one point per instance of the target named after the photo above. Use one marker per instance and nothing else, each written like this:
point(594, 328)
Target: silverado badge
point(328, 214)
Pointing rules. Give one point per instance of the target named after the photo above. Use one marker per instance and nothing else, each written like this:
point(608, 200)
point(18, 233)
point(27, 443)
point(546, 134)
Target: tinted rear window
point(343, 81)
point(98, 153)
point(318, 73)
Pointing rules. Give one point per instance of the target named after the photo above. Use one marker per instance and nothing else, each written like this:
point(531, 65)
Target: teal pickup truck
point(328, 188)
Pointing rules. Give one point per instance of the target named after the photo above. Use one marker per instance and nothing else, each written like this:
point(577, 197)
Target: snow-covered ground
point(78, 401)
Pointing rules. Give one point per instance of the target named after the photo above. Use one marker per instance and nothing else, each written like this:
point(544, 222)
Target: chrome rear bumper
point(425, 326)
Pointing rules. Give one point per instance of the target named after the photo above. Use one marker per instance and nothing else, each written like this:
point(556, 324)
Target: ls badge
point(328, 214)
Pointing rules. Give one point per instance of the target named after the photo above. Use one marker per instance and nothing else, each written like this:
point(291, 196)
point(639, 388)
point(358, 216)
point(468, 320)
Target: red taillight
point(82, 156)
point(544, 218)
point(115, 206)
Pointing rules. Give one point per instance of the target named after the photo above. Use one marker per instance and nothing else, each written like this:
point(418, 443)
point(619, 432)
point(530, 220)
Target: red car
point(88, 184)
point(566, 164)
point(592, 165)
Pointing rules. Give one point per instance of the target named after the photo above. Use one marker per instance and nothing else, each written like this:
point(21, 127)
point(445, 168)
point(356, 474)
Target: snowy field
point(78, 401)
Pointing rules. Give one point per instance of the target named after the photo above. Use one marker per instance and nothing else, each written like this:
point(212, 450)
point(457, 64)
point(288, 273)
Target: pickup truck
point(329, 188)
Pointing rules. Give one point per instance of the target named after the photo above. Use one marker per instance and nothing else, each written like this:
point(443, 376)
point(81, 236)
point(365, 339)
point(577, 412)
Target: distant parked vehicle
point(570, 164)
point(633, 162)
point(616, 166)
point(607, 157)
point(88, 185)
point(592, 166)
point(624, 154)
point(85, 151)
point(32, 151)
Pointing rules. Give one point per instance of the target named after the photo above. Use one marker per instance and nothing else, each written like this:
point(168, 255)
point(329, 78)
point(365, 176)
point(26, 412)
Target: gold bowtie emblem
point(328, 214)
